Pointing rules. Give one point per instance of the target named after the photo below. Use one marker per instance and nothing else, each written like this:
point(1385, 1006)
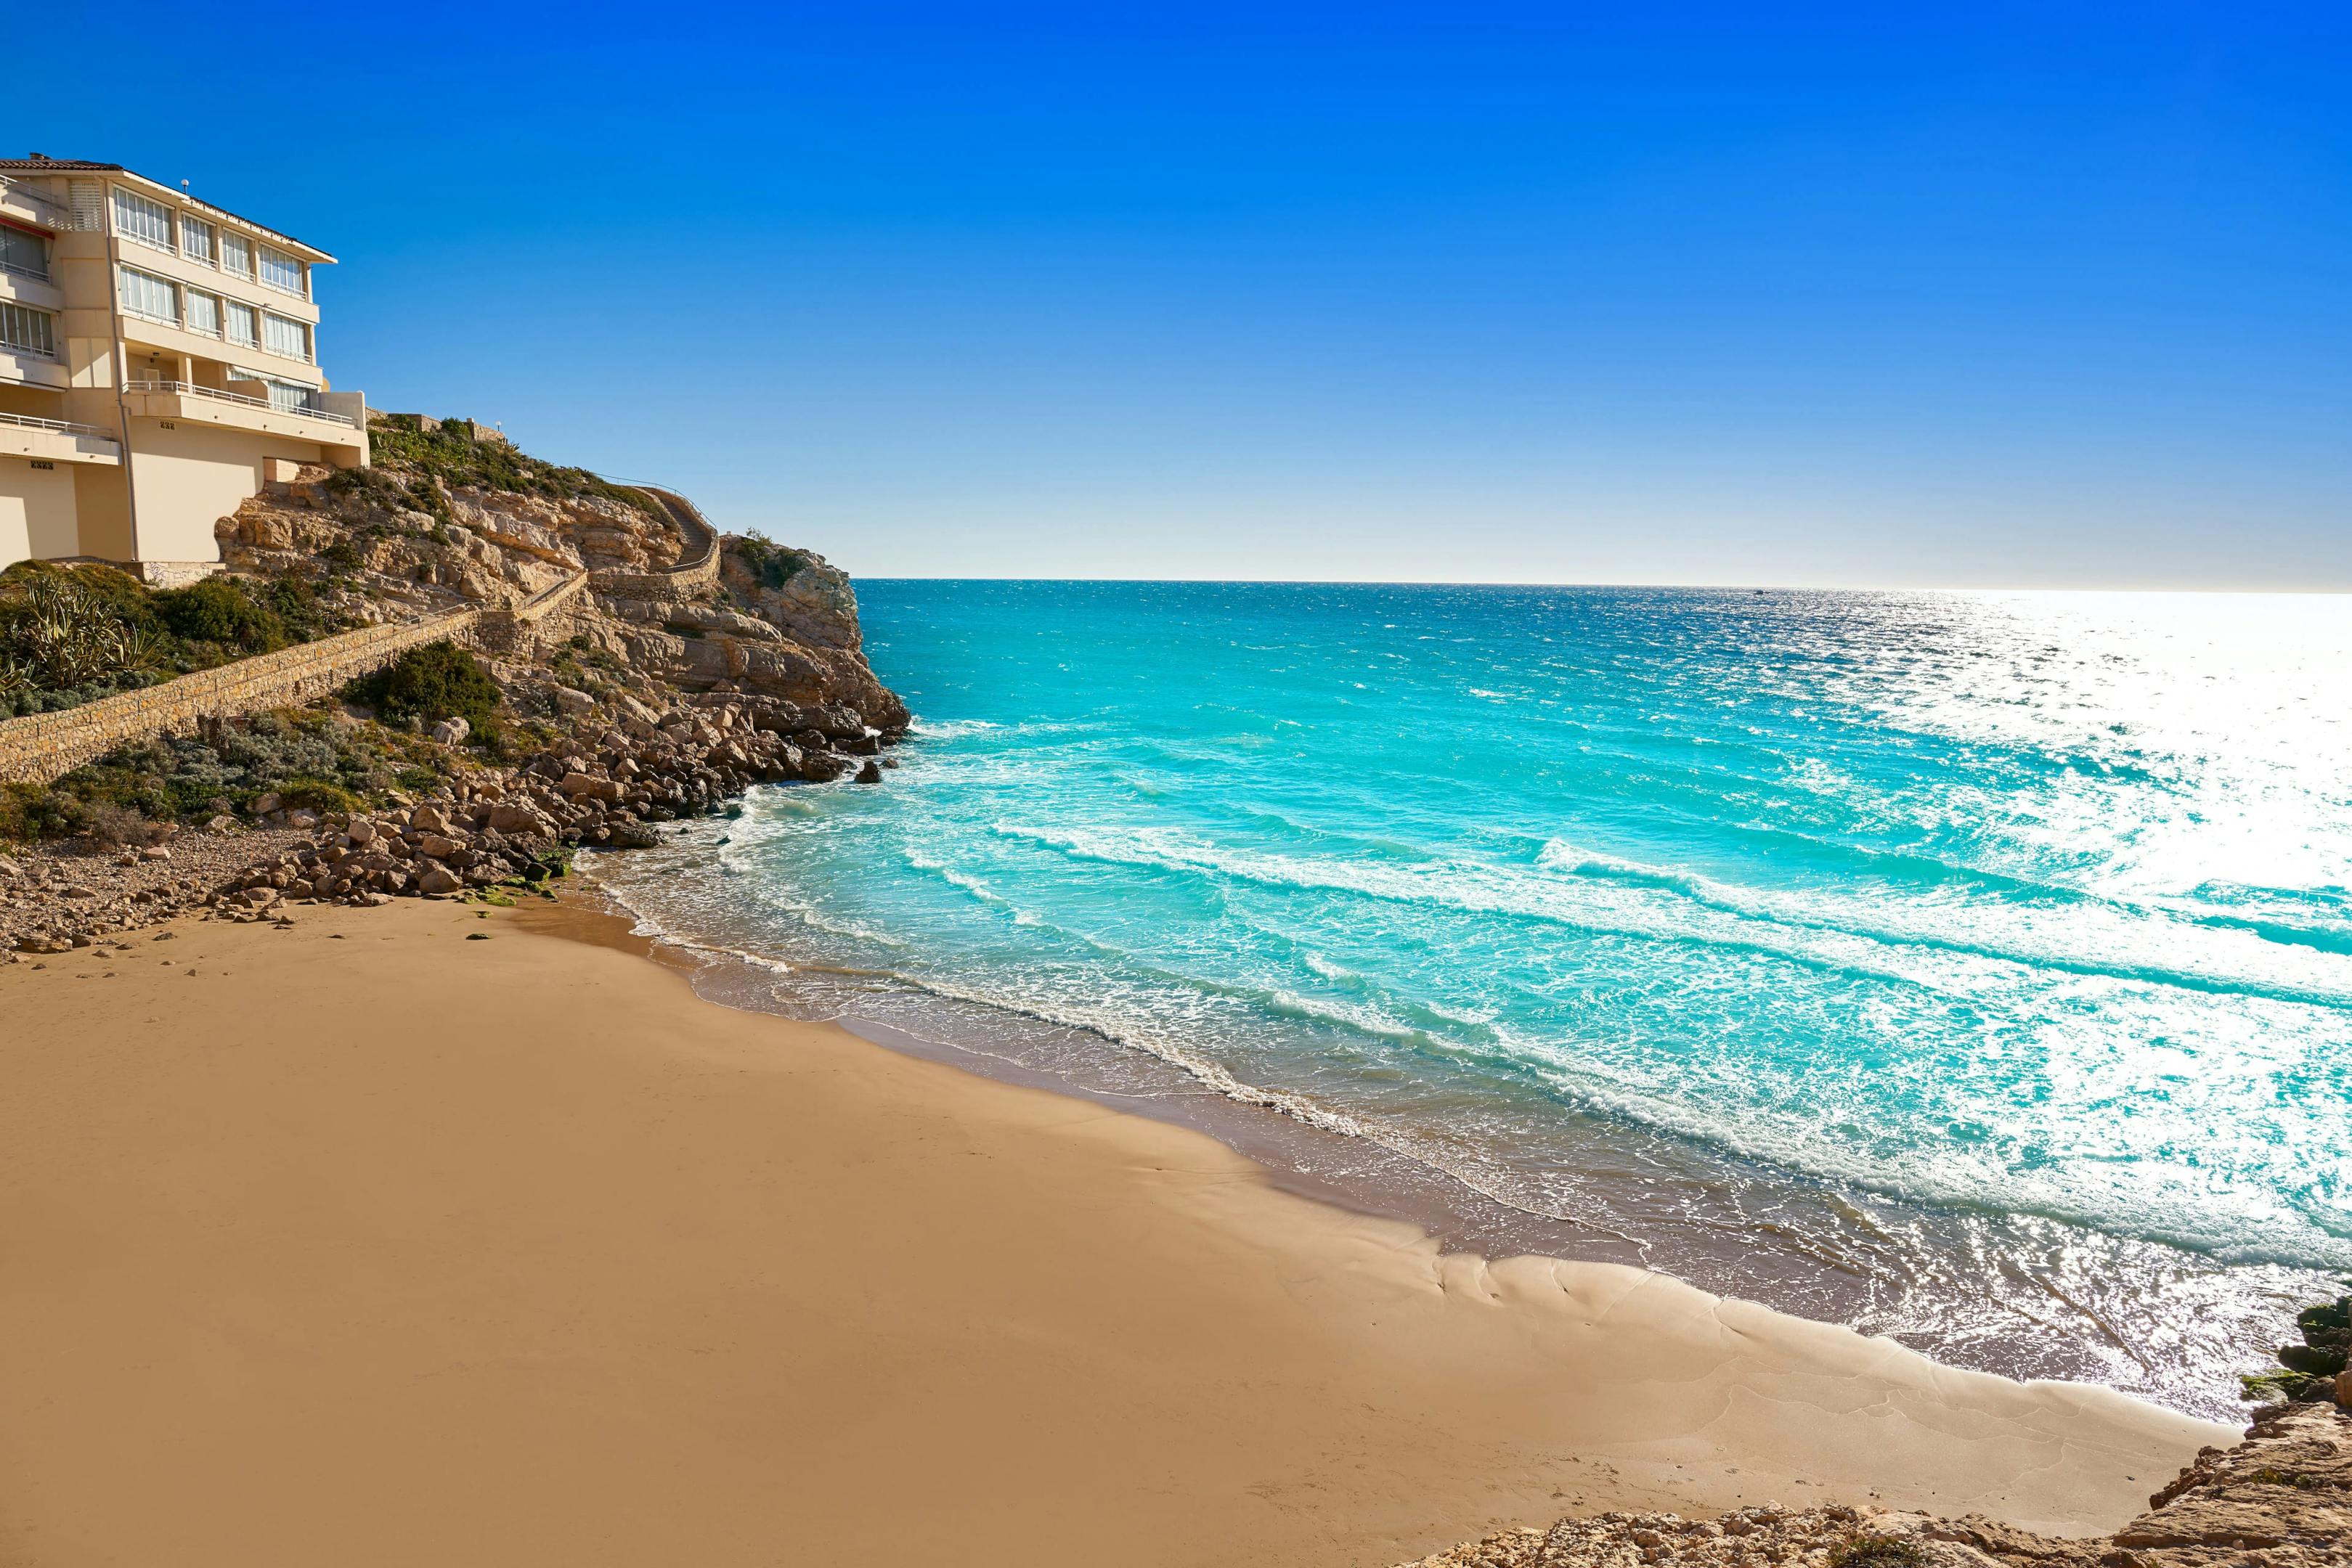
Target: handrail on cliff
point(697, 566)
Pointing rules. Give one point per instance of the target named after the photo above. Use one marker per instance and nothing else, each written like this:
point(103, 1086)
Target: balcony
point(31, 368)
point(331, 419)
point(32, 204)
point(55, 441)
point(311, 407)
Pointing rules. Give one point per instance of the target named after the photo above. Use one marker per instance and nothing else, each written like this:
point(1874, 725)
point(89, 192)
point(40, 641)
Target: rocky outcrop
point(618, 773)
point(814, 604)
point(415, 547)
point(2281, 1499)
point(605, 786)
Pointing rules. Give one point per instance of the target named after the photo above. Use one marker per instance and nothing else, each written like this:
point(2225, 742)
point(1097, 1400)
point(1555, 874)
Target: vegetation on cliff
point(451, 517)
point(321, 759)
point(455, 452)
point(71, 636)
point(437, 681)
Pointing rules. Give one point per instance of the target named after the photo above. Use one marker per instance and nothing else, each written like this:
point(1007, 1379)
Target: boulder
point(438, 881)
point(452, 731)
point(428, 819)
point(512, 817)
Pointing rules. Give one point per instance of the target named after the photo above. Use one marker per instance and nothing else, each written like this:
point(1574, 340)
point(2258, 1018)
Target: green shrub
point(295, 604)
point(320, 760)
point(217, 610)
point(456, 455)
point(318, 794)
point(1876, 1551)
point(771, 563)
point(58, 632)
point(437, 681)
point(29, 813)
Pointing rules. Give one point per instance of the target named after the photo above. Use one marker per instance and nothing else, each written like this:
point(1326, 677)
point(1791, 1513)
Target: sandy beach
point(360, 1242)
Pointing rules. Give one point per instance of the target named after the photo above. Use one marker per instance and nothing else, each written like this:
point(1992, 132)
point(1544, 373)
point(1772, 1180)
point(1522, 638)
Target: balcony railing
point(46, 209)
point(189, 389)
point(18, 269)
point(63, 426)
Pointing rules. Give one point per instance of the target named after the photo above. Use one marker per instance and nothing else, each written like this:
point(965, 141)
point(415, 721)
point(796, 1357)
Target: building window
point(142, 221)
point(288, 398)
point(203, 314)
point(283, 273)
point(237, 254)
point(32, 331)
point(196, 239)
point(290, 339)
point(238, 325)
point(149, 298)
point(26, 255)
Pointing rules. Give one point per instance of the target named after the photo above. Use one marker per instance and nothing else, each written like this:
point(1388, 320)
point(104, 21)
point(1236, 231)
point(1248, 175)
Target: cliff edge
point(451, 515)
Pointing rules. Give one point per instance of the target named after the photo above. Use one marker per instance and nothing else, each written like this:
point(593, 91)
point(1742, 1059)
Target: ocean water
point(1975, 970)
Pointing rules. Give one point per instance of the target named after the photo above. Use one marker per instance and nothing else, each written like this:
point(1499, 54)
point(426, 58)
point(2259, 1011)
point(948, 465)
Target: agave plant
point(58, 635)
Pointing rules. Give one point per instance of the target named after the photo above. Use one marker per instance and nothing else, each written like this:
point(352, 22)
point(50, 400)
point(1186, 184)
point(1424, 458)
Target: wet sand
point(369, 1244)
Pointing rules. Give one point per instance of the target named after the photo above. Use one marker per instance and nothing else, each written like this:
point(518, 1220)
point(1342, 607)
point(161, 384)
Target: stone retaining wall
point(513, 634)
point(43, 745)
point(696, 570)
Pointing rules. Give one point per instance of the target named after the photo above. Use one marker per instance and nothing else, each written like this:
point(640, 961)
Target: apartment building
point(159, 361)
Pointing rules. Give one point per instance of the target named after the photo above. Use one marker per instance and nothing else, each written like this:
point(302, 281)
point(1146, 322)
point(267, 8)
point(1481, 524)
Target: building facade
point(159, 362)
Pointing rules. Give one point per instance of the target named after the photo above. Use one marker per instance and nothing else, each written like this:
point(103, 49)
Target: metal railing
point(40, 203)
point(701, 540)
point(189, 389)
point(17, 269)
point(63, 426)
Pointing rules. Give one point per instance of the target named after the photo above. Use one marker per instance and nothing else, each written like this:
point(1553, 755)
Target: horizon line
point(2326, 593)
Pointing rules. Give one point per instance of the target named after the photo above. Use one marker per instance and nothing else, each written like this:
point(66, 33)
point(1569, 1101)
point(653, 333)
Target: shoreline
point(1721, 1242)
point(396, 1247)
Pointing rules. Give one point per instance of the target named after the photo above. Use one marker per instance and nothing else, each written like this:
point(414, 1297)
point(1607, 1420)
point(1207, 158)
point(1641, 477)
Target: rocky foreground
point(605, 785)
point(2281, 1499)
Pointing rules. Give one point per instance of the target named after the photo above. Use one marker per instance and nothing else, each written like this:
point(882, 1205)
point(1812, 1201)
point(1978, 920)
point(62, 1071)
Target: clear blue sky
point(2027, 294)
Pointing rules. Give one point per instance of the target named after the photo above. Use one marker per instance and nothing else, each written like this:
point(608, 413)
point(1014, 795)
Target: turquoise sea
point(1975, 970)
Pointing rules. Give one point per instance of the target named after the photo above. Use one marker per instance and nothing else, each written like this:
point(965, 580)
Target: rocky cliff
point(411, 536)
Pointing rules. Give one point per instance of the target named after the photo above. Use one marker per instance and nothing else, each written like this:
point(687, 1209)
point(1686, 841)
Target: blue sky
point(2020, 296)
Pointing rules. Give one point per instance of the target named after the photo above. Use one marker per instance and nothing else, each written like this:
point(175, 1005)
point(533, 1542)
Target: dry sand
point(365, 1244)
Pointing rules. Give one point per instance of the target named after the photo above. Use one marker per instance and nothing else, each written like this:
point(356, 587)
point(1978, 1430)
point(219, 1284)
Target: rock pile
point(2281, 1499)
point(53, 900)
point(605, 785)
point(2316, 1369)
point(600, 787)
